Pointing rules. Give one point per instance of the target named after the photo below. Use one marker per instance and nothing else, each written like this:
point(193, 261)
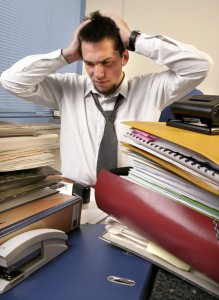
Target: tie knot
point(109, 115)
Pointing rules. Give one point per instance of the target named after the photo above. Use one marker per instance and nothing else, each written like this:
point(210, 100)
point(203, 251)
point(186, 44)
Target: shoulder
point(70, 78)
point(144, 79)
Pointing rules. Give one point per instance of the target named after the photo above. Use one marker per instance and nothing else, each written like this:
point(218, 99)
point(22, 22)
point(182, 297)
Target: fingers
point(122, 25)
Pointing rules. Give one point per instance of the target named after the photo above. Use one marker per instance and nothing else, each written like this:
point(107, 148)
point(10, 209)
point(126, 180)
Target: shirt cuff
point(143, 44)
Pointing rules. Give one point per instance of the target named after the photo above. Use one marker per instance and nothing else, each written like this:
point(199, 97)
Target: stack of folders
point(30, 199)
point(170, 198)
point(156, 228)
point(25, 146)
point(23, 186)
point(179, 164)
point(25, 164)
point(27, 179)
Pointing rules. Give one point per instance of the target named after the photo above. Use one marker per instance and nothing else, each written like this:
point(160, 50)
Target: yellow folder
point(206, 145)
point(200, 143)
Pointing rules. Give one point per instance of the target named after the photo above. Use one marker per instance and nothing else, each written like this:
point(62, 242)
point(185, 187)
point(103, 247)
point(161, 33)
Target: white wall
point(190, 21)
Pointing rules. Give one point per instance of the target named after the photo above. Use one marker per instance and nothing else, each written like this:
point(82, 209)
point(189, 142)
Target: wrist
point(132, 39)
point(69, 55)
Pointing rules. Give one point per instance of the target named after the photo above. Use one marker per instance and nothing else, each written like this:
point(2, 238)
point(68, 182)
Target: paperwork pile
point(29, 186)
point(25, 147)
point(170, 197)
point(184, 169)
point(25, 163)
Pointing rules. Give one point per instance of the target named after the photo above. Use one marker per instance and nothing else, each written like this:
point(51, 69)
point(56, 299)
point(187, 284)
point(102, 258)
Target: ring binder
point(216, 229)
point(183, 158)
point(178, 229)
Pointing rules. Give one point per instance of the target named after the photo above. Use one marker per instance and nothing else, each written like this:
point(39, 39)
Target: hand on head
point(123, 28)
point(73, 52)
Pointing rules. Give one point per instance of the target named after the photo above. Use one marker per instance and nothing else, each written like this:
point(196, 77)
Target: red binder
point(185, 233)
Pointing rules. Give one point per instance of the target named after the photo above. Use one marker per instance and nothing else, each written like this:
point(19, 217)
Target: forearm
point(184, 60)
point(26, 74)
point(70, 56)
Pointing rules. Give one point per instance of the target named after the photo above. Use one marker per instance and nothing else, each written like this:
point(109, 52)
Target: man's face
point(104, 65)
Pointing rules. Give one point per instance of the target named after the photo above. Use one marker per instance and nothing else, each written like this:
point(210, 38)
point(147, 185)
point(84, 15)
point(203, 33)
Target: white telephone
point(27, 252)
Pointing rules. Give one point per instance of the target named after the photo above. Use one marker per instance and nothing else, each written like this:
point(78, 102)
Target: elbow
point(4, 81)
point(203, 69)
point(207, 66)
point(11, 83)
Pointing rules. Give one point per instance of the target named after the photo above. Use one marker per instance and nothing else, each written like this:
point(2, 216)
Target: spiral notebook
point(158, 179)
point(199, 161)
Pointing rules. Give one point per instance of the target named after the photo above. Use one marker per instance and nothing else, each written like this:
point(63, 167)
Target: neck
point(114, 90)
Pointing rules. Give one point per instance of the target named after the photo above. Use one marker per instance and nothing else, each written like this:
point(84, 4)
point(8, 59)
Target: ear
point(125, 57)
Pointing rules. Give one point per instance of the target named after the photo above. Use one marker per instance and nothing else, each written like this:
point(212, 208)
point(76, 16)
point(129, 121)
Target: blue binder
point(82, 272)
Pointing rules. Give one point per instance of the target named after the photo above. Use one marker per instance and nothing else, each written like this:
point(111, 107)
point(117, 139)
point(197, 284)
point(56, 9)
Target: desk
point(81, 272)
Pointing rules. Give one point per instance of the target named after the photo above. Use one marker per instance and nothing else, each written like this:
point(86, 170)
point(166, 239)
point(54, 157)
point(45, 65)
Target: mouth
point(103, 82)
point(101, 85)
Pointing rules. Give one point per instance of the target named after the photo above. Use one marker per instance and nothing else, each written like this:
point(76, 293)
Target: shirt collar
point(122, 89)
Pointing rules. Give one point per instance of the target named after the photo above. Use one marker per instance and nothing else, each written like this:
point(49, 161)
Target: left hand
point(123, 26)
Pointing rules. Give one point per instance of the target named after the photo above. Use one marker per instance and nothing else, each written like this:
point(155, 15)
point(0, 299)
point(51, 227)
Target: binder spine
point(216, 229)
point(180, 230)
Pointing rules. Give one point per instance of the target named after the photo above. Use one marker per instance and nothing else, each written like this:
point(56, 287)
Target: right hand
point(72, 53)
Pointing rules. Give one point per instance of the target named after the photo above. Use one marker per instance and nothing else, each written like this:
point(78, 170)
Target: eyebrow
point(101, 61)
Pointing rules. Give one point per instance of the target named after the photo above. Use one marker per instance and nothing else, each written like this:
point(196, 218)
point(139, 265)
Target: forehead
point(101, 50)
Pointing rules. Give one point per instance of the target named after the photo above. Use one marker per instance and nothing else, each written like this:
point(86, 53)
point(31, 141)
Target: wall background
point(190, 21)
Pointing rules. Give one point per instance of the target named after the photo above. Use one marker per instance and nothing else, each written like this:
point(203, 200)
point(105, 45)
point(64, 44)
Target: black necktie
point(107, 156)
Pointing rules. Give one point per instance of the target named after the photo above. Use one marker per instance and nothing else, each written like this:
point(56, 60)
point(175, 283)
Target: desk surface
point(81, 272)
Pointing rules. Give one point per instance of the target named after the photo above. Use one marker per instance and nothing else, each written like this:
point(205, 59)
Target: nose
point(99, 71)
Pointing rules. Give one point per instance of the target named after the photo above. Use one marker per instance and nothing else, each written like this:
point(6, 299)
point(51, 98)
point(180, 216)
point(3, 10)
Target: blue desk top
point(81, 272)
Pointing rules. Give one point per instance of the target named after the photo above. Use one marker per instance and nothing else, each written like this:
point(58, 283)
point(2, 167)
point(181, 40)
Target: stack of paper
point(28, 150)
point(25, 158)
point(189, 175)
point(8, 129)
point(23, 186)
point(29, 186)
point(15, 129)
point(25, 163)
point(146, 216)
point(170, 198)
point(122, 233)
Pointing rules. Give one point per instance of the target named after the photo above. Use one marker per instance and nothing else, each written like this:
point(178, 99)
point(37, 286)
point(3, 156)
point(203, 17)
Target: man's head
point(101, 28)
point(103, 52)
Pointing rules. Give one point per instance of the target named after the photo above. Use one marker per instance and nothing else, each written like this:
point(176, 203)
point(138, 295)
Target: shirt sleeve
point(186, 66)
point(181, 58)
point(23, 78)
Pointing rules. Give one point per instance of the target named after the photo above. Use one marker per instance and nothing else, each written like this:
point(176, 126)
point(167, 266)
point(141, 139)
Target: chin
point(105, 91)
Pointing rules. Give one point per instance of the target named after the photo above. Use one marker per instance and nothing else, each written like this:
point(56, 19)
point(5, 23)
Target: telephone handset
point(27, 252)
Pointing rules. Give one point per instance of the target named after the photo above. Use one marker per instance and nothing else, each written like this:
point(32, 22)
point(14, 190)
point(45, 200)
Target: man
point(103, 42)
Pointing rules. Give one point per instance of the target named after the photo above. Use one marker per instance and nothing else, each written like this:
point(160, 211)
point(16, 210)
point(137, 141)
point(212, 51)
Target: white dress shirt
point(34, 78)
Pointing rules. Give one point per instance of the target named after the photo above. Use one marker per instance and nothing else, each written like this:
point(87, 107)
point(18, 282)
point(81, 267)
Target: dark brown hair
point(100, 28)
